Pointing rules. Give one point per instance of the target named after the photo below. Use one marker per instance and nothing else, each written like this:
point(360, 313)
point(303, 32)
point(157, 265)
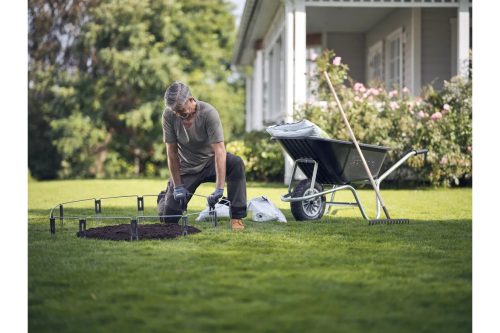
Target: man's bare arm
point(220, 163)
point(174, 164)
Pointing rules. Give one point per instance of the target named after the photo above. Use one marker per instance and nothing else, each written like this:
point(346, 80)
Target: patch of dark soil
point(145, 231)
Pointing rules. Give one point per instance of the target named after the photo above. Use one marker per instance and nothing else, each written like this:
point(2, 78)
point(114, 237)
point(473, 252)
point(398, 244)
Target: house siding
point(436, 45)
point(351, 47)
point(399, 18)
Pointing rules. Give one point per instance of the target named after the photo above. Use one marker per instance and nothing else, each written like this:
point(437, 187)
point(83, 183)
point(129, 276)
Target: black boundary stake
point(184, 218)
point(82, 225)
point(134, 232)
point(212, 213)
point(61, 214)
point(52, 226)
point(98, 206)
point(230, 214)
point(140, 204)
point(184, 225)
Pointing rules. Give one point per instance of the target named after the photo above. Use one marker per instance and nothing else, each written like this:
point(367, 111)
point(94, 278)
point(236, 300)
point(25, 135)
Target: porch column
point(257, 87)
point(463, 38)
point(300, 53)
point(300, 65)
point(289, 71)
point(289, 68)
point(248, 103)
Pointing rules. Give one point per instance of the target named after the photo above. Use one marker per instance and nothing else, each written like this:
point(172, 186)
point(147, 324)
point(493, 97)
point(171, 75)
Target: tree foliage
point(97, 73)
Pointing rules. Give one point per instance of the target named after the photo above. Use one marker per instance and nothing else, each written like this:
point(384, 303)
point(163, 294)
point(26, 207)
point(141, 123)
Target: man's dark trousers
point(236, 188)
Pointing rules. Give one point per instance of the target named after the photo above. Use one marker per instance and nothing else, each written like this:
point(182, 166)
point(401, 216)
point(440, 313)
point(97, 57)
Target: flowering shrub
point(438, 121)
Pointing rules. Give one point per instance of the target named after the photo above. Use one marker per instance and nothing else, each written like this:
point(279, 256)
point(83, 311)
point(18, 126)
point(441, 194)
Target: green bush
point(449, 137)
point(262, 156)
point(440, 121)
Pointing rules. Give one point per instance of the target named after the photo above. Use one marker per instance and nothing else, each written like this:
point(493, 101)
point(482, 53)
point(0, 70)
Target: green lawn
point(333, 275)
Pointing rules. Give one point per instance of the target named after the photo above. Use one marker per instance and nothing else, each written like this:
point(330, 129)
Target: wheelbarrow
point(335, 163)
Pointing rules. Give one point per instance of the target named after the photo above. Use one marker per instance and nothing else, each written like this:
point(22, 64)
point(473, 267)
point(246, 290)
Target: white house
point(403, 43)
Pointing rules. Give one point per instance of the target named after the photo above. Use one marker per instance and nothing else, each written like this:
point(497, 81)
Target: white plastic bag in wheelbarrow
point(221, 209)
point(297, 129)
point(263, 210)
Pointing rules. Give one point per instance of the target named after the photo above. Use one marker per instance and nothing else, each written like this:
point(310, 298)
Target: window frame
point(389, 39)
point(274, 75)
point(375, 49)
point(311, 69)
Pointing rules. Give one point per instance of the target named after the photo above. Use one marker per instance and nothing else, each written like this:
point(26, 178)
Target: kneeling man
point(192, 132)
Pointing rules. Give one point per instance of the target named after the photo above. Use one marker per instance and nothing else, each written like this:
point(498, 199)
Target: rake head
point(388, 221)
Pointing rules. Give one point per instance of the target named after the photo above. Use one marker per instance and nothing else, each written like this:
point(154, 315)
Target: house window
point(375, 63)
point(394, 60)
point(312, 53)
point(274, 77)
point(454, 41)
point(266, 94)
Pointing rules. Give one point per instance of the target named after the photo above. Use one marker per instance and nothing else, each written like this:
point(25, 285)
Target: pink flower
point(393, 105)
point(469, 149)
point(393, 93)
point(358, 86)
point(446, 108)
point(406, 90)
point(436, 116)
point(373, 91)
point(336, 61)
point(421, 114)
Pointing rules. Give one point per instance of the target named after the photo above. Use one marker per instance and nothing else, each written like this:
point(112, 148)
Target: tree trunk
point(101, 153)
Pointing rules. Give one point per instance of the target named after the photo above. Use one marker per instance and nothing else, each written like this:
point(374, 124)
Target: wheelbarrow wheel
point(312, 209)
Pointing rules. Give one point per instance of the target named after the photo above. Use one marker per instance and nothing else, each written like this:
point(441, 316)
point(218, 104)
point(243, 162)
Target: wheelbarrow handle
point(410, 153)
point(421, 151)
point(413, 152)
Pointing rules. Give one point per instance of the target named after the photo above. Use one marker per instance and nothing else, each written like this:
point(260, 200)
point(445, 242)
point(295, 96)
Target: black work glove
point(213, 198)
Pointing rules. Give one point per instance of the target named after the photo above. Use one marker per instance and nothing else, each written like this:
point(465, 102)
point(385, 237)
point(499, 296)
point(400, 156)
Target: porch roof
point(259, 14)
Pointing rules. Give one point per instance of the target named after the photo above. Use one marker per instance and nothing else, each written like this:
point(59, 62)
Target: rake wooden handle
point(353, 138)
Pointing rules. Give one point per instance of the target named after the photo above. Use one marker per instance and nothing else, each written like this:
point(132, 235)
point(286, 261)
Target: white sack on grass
point(263, 209)
point(297, 129)
point(222, 211)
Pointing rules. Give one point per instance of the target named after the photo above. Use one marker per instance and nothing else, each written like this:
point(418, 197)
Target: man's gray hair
point(176, 95)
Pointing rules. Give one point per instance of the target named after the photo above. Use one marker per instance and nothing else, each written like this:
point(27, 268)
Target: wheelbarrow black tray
point(338, 161)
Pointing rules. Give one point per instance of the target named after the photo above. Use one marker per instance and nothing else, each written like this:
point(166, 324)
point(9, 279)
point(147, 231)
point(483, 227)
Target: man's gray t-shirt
point(194, 142)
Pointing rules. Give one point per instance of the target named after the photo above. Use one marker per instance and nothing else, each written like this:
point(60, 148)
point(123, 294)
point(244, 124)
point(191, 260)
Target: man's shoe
point(237, 224)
